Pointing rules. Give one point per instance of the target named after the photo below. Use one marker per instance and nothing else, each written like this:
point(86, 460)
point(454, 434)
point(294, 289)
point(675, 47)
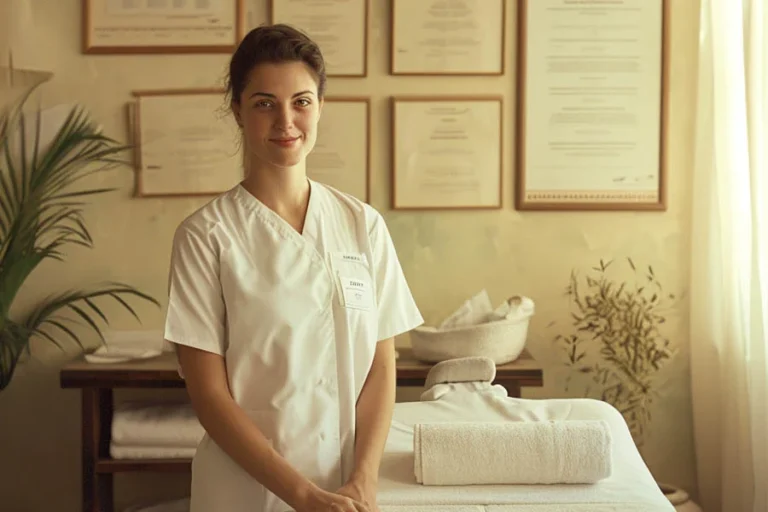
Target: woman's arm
point(374, 416)
point(232, 430)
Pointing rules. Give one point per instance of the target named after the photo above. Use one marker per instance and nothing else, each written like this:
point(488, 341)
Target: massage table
point(630, 488)
point(462, 391)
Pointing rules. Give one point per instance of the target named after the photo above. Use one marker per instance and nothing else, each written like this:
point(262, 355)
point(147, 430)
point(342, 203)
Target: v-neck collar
point(274, 219)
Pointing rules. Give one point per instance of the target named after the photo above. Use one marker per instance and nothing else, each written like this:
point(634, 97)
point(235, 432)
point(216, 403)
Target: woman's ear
point(236, 112)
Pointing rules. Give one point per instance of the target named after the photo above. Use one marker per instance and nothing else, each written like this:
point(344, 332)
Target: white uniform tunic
point(297, 317)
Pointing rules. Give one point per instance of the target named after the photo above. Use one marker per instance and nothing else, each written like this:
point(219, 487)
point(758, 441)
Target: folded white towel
point(517, 452)
point(119, 451)
point(464, 369)
point(156, 425)
point(107, 354)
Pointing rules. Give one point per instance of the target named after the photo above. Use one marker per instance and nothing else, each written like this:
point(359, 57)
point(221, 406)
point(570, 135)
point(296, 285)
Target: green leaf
point(96, 310)
point(128, 307)
point(67, 330)
point(13, 340)
point(12, 276)
point(87, 319)
point(40, 332)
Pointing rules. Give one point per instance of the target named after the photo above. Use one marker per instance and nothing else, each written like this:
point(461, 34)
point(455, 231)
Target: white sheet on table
point(552, 507)
point(630, 485)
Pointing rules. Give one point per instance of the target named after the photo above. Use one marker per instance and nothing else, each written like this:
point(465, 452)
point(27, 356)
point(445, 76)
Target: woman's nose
point(284, 118)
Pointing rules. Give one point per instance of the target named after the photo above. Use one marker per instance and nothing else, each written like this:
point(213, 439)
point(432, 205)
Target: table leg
point(513, 388)
point(96, 415)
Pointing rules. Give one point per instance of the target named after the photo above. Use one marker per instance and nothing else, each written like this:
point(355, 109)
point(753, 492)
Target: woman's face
point(278, 112)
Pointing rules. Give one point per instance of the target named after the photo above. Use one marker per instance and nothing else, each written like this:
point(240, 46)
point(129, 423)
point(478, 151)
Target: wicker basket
point(502, 341)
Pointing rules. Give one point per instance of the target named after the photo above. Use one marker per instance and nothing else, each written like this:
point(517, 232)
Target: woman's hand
point(362, 492)
point(323, 501)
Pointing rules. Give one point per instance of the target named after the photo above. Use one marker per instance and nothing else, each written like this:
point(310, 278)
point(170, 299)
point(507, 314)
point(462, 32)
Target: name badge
point(352, 257)
point(356, 293)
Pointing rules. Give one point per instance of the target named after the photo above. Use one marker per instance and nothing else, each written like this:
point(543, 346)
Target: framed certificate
point(435, 37)
point(339, 27)
point(162, 26)
point(446, 153)
point(184, 145)
point(591, 126)
point(341, 156)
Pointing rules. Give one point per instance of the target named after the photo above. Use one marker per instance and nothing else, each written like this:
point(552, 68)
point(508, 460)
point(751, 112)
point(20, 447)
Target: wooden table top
point(161, 371)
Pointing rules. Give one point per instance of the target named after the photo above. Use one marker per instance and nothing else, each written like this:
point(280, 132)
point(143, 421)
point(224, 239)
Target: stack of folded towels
point(155, 431)
point(516, 452)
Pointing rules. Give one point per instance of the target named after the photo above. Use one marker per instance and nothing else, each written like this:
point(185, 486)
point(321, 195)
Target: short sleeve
point(196, 312)
point(397, 309)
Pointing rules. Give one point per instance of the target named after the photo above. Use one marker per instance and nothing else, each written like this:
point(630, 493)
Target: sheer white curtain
point(729, 280)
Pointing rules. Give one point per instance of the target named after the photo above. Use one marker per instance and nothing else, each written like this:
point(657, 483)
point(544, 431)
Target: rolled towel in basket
point(517, 452)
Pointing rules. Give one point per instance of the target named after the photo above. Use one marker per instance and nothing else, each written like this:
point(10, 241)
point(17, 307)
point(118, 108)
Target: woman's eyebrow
point(268, 95)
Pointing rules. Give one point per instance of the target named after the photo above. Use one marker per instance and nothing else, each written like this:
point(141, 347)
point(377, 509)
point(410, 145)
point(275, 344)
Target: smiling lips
point(285, 142)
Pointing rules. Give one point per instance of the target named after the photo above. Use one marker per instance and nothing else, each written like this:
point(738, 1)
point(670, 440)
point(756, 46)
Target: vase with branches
point(42, 200)
point(616, 342)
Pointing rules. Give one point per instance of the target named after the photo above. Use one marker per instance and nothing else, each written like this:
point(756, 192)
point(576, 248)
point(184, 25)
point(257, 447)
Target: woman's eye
point(262, 104)
point(303, 102)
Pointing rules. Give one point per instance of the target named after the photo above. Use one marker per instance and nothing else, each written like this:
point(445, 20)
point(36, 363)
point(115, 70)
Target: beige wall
point(447, 255)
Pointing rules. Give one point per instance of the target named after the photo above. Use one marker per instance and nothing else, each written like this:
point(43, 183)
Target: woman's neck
point(283, 190)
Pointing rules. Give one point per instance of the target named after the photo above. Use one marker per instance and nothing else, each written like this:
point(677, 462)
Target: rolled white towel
point(464, 369)
point(516, 452)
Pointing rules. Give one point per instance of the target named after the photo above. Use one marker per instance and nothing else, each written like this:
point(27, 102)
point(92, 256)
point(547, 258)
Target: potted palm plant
point(42, 196)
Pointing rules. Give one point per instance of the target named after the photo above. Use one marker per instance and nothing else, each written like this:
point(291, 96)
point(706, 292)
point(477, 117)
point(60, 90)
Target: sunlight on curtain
point(729, 264)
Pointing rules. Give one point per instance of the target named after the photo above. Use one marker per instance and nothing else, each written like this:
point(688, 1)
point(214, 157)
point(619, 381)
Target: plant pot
point(679, 498)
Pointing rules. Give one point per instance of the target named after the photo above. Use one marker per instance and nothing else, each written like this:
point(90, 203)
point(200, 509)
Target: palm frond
point(13, 340)
point(69, 299)
point(48, 322)
point(41, 213)
point(13, 273)
point(12, 124)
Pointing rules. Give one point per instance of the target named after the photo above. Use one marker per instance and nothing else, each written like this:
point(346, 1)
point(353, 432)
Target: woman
point(285, 296)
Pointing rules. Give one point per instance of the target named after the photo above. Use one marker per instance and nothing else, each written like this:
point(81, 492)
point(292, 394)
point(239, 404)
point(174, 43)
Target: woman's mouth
point(285, 142)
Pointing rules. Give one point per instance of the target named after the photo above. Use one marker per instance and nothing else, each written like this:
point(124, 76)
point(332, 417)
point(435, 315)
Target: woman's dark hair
point(274, 44)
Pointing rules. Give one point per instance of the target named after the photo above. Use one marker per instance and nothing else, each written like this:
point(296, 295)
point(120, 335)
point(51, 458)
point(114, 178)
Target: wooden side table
point(97, 383)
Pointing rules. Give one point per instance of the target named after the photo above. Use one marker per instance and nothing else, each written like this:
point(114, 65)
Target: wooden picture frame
point(332, 141)
point(453, 146)
point(211, 145)
point(570, 133)
point(344, 42)
point(412, 55)
point(161, 31)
